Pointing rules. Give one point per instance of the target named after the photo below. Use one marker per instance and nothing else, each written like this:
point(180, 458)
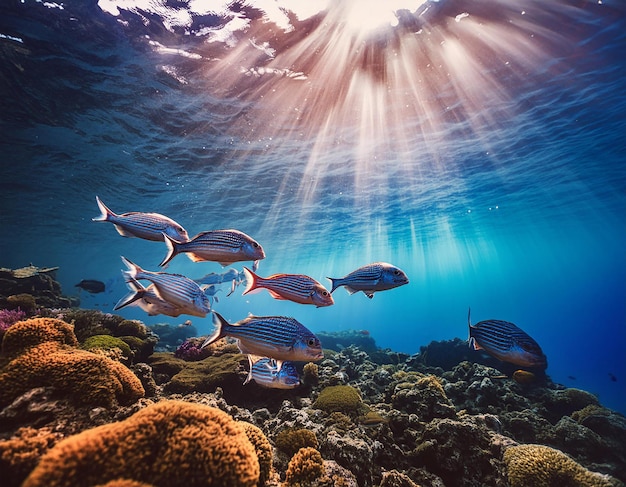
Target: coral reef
point(38, 283)
point(304, 468)
point(42, 352)
point(344, 399)
point(166, 444)
point(542, 466)
point(262, 447)
point(290, 440)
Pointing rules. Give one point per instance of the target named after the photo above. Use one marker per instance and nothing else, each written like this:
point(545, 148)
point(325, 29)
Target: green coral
point(107, 343)
point(168, 444)
point(205, 375)
point(542, 466)
point(344, 399)
point(290, 440)
point(306, 466)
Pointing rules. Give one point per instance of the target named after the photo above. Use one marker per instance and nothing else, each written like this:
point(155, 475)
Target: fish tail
point(219, 329)
point(133, 269)
point(251, 280)
point(333, 283)
point(137, 292)
point(172, 249)
point(105, 213)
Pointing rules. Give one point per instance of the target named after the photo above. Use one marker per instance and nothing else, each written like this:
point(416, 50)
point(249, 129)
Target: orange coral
point(41, 352)
point(166, 444)
point(262, 447)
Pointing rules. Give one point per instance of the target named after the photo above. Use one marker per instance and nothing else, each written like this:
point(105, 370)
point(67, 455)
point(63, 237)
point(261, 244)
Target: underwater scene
point(333, 243)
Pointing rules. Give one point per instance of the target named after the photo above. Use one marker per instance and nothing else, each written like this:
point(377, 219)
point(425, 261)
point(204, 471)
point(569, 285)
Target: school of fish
point(272, 343)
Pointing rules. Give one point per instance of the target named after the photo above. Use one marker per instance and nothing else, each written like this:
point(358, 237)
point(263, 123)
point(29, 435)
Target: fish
point(149, 226)
point(177, 290)
point(371, 278)
point(223, 246)
point(231, 275)
point(276, 337)
point(523, 377)
point(292, 287)
point(506, 342)
point(271, 373)
point(91, 286)
point(148, 300)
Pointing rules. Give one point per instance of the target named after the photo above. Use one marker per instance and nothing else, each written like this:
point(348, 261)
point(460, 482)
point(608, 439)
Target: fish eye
point(324, 293)
point(311, 342)
point(397, 272)
point(255, 245)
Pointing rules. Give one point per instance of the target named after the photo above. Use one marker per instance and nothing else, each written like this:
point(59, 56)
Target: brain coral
point(339, 398)
point(263, 449)
point(542, 466)
point(305, 467)
point(170, 443)
point(41, 352)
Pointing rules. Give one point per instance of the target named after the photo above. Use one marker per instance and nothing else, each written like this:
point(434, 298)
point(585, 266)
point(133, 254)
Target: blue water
point(481, 148)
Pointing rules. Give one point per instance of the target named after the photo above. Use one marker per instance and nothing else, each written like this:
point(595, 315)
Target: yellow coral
point(542, 466)
point(166, 444)
point(305, 467)
point(41, 353)
point(262, 447)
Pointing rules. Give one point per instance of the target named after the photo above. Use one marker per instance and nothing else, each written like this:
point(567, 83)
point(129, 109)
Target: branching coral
point(542, 466)
point(41, 352)
point(166, 444)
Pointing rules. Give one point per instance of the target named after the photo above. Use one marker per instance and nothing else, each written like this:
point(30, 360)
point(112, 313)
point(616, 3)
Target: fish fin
point(218, 333)
point(195, 258)
point(253, 359)
point(105, 213)
point(137, 291)
point(351, 290)
point(369, 294)
point(123, 232)
point(333, 283)
point(133, 269)
point(275, 295)
point(225, 264)
point(172, 251)
point(255, 265)
point(251, 281)
point(474, 344)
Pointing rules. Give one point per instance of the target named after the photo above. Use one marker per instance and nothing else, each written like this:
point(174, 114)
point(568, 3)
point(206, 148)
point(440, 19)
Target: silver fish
point(292, 287)
point(506, 342)
point(371, 278)
point(149, 226)
point(276, 337)
point(223, 246)
point(177, 290)
point(271, 373)
point(148, 300)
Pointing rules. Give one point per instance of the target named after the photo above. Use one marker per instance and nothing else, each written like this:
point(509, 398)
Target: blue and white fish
point(223, 246)
point(233, 276)
point(271, 373)
point(148, 300)
point(371, 278)
point(506, 342)
point(292, 287)
point(276, 337)
point(178, 290)
point(149, 226)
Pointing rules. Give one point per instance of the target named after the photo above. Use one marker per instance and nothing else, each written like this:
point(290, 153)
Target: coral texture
point(542, 466)
point(166, 444)
point(263, 449)
point(290, 440)
point(339, 398)
point(41, 352)
point(305, 467)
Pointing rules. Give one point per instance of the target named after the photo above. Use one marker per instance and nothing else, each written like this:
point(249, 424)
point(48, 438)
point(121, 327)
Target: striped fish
point(147, 299)
point(177, 290)
point(273, 374)
point(223, 246)
point(371, 278)
point(292, 287)
point(149, 226)
point(506, 342)
point(276, 337)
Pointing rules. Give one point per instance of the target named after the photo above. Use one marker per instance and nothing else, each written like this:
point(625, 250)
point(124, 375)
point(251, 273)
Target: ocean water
point(479, 146)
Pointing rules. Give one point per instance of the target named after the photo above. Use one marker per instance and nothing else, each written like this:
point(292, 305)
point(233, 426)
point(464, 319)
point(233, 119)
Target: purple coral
point(191, 350)
point(8, 317)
